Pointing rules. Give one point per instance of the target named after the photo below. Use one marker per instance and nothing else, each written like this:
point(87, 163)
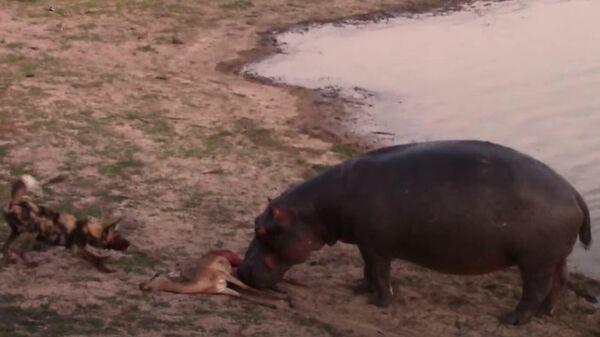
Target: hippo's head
point(284, 236)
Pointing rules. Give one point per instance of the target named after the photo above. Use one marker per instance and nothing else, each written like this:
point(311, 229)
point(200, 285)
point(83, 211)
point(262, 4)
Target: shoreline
point(332, 118)
point(336, 118)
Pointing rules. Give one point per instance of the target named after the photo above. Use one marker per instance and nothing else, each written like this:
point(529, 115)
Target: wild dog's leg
point(378, 276)
point(96, 261)
point(26, 240)
point(6, 247)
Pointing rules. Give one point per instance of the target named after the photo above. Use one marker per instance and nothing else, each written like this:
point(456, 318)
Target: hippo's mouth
point(261, 268)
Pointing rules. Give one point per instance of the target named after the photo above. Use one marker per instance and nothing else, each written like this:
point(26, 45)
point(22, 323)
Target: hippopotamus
point(461, 207)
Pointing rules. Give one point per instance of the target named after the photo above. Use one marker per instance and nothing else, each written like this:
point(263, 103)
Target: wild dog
point(208, 275)
point(30, 222)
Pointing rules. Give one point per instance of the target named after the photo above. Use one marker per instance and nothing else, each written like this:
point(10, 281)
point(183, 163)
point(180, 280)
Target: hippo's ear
point(282, 214)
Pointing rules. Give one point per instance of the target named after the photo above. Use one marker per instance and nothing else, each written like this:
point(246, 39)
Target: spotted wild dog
point(29, 222)
point(208, 275)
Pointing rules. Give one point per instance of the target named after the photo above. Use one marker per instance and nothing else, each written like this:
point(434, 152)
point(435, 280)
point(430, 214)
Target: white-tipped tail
point(30, 182)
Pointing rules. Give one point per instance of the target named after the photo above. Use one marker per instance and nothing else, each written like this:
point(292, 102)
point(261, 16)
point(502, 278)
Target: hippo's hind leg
point(561, 276)
point(537, 283)
point(367, 284)
point(377, 277)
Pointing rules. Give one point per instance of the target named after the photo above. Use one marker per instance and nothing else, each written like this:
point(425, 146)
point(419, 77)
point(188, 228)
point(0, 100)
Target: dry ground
point(139, 103)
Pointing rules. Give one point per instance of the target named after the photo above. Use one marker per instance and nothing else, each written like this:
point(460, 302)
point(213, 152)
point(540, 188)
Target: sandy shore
point(142, 105)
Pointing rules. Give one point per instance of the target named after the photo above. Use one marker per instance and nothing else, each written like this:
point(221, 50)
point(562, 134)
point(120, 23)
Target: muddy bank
point(324, 113)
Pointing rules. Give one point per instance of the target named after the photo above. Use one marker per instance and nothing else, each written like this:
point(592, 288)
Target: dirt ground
point(141, 104)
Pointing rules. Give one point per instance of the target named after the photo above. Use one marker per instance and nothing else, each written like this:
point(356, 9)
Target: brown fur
point(29, 222)
point(208, 275)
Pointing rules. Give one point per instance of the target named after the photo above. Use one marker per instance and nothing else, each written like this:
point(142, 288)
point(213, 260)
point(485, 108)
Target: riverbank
point(138, 102)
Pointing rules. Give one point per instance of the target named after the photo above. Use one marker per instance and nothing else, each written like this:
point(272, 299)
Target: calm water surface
point(522, 73)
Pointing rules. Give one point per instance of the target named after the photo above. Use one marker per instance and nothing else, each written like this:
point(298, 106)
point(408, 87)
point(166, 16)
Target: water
point(521, 73)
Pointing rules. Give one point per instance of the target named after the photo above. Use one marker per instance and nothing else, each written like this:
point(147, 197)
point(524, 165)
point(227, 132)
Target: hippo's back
point(462, 164)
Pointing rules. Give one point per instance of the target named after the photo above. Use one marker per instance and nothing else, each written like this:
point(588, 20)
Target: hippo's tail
point(585, 232)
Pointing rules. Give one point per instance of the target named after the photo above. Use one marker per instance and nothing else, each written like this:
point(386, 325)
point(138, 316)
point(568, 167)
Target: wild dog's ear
point(114, 225)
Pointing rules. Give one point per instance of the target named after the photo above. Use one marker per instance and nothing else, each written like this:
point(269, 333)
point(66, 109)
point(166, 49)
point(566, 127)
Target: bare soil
point(142, 105)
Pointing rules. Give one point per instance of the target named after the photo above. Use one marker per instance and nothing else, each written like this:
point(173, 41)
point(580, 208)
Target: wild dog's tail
point(27, 182)
point(20, 187)
point(585, 232)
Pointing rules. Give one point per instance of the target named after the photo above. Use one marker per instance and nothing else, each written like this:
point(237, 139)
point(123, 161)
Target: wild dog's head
point(105, 236)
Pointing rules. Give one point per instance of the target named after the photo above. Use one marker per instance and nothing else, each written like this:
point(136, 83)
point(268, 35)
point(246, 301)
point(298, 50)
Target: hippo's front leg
point(367, 284)
point(376, 277)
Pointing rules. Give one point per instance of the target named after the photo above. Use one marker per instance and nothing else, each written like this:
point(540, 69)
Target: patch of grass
point(343, 151)
point(195, 199)
point(45, 64)
point(217, 142)
point(258, 135)
point(93, 210)
point(87, 26)
point(147, 49)
point(70, 8)
point(6, 79)
point(14, 45)
point(10, 298)
point(123, 168)
point(132, 320)
point(136, 261)
point(84, 36)
point(4, 151)
point(237, 4)
point(190, 151)
point(13, 58)
point(67, 203)
point(313, 170)
point(248, 316)
point(325, 327)
point(457, 301)
point(43, 320)
point(107, 196)
point(16, 170)
point(152, 122)
point(218, 331)
point(218, 212)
